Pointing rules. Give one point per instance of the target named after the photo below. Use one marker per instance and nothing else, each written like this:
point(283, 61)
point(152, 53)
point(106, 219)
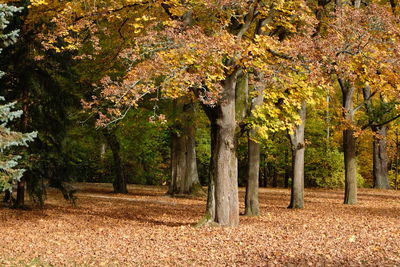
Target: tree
point(8, 138)
point(184, 178)
point(357, 49)
point(298, 148)
point(174, 46)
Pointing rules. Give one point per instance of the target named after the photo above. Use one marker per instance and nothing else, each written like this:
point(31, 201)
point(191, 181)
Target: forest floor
point(146, 228)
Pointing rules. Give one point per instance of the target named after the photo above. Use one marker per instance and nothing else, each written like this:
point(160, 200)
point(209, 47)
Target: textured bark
point(225, 168)
point(185, 177)
point(298, 148)
point(349, 145)
point(210, 211)
point(252, 207)
point(241, 98)
point(380, 158)
point(288, 171)
point(223, 203)
point(119, 183)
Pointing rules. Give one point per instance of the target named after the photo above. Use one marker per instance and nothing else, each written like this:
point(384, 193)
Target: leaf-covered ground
point(146, 228)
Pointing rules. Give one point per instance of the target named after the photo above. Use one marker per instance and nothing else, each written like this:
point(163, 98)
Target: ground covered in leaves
point(146, 228)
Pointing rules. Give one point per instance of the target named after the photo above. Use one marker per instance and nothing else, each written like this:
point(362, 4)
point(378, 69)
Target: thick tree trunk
point(119, 183)
point(349, 145)
point(225, 209)
point(298, 148)
point(380, 158)
point(185, 177)
point(225, 168)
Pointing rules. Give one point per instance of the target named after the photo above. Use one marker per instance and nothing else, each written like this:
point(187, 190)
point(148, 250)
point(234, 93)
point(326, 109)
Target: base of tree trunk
point(296, 206)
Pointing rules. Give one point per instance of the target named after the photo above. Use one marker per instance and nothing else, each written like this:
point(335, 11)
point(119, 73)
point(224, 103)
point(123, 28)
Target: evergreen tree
point(8, 138)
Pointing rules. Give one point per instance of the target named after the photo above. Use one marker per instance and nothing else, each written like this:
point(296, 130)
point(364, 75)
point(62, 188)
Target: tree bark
point(298, 148)
point(349, 145)
point(380, 158)
point(224, 185)
point(288, 168)
point(185, 177)
point(252, 207)
point(20, 201)
point(119, 183)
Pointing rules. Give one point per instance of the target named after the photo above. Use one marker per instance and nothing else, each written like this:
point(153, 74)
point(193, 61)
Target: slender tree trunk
point(265, 168)
point(274, 173)
point(253, 167)
point(298, 148)
point(251, 199)
point(20, 201)
point(119, 183)
point(349, 145)
point(380, 158)
point(185, 177)
point(224, 161)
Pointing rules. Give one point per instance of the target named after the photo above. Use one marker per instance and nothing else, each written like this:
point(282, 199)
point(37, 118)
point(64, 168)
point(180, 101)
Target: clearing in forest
point(146, 228)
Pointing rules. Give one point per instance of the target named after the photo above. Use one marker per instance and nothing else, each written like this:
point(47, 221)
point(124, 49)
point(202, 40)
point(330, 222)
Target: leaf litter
point(147, 228)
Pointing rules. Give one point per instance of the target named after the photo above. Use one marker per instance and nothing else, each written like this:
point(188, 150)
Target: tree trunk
point(265, 171)
point(349, 145)
point(298, 148)
point(119, 183)
point(287, 169)
point(224, 160)
point(185, 177)
point(253, 167)
point(380, 158)
point(20, 201)
point(251, 199)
